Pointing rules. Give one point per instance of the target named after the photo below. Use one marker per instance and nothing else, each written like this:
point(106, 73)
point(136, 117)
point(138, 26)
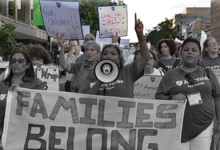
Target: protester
point(21, 74)
point(167, 48)
point(81, 69)
point(88, 37)
point(124, 84)
point(39, 55)
point(71, 57)
point(201, 89)
point(130, 58)
point(131, 46)
point(210, 55)
point(151, 63)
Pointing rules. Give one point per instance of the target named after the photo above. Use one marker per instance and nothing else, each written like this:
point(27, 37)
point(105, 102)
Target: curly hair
point(170, 43)
point(39, 52)
point(205, 45)
point(29, 74)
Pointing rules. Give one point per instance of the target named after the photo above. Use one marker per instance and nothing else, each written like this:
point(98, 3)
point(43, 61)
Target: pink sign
point(112, 19)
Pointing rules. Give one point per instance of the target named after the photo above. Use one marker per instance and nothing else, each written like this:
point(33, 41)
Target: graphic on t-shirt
point(179, 83)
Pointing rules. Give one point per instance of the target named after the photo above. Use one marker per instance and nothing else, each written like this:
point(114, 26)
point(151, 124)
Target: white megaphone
point(178, 41)
point(106, 71)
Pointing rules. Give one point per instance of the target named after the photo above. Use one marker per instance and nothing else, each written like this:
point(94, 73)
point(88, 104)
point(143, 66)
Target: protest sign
point(112, 19)
point(146, 86)
point(102, 41)
point(4, 64)
point(127, 52)
point(46, 120)
point(49, 74)
point(62, 17)
point(86, 30)
point(203, 38)
point(37, 17)
point(124, 42)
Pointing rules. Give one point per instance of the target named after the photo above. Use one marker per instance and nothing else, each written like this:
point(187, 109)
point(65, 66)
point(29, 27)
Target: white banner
point(146, 86)
point(127, 52)
point(124, 42)
point(47, 120)
point(62, 17)
point(86, 30)
point(112, 20)
point(49, 74)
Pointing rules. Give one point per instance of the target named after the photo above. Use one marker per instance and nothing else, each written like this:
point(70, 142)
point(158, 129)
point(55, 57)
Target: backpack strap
point(162, 66)
point(176, 63)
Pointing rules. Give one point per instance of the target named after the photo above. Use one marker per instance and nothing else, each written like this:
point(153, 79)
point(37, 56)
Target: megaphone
point(106, 71)
point(178, 41)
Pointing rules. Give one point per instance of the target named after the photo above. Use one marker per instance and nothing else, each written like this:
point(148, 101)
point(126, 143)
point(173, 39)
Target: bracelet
point(141, 40)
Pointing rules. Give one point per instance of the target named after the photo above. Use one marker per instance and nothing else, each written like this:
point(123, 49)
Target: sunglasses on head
point(189, 78)
point(20, 61)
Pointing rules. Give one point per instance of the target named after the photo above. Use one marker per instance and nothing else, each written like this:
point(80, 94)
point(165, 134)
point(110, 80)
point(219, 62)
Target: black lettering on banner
point(91, 132)
point(66, 105)
point(20, 103)
point(116, 139)
point(153, 146)
point(160, 114)
point(35, 137)
point(88, 110)
point(38, 101)
point(126, 107)
point(101, 112)
point(145, 132)
point(52, 137)
point(141, 115)
point(70, 140)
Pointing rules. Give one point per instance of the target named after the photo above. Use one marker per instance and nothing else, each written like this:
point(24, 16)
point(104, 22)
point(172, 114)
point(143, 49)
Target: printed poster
point(86, 30)
point(112, 20)
point(124, 43)
point(49, 74)
point(127, 52)
point(37, 17)
point(46, 120)
point(62, 17)
point(146, 87)
point(102, 41)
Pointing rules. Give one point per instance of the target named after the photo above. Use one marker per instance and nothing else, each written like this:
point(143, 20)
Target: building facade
point(215, 19)
point(190, 14)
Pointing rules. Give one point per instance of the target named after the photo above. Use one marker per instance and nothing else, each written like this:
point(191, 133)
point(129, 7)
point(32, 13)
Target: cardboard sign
point(102, 41)
point(124, 42)
point(127, 52)
point(49, 74)
point(146, 87)
point(47, 120)
point(113, 19)
point(86, 30)
point(62, 17)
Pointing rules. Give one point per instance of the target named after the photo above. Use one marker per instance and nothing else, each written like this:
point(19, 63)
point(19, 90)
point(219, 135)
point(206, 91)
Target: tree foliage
point(8, 43)
point(162, 31)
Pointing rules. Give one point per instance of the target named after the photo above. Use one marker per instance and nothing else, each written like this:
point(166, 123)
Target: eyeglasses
point(189, 78)
point(20, 61)
point(212, 44)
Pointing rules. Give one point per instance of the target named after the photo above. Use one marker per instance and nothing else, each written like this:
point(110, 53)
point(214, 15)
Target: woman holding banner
point(128, 74)
point(21, 74)
point(81, 69)
point(201, 89)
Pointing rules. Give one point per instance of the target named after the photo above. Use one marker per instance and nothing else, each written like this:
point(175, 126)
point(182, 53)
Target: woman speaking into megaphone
point(123, 85)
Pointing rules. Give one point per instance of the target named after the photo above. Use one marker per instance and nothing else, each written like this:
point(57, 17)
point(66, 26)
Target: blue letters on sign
point(58, 4)
point(113, 8)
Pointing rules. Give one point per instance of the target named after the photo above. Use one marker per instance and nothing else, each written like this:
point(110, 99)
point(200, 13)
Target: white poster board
point(113, 19)
point(62, 17)
point(203, 38)
point(127, 52)
point(102, 41)
point(146, 87)
point(49, 74)
point(86, 30)
point(124, 42)
point(46, 120)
